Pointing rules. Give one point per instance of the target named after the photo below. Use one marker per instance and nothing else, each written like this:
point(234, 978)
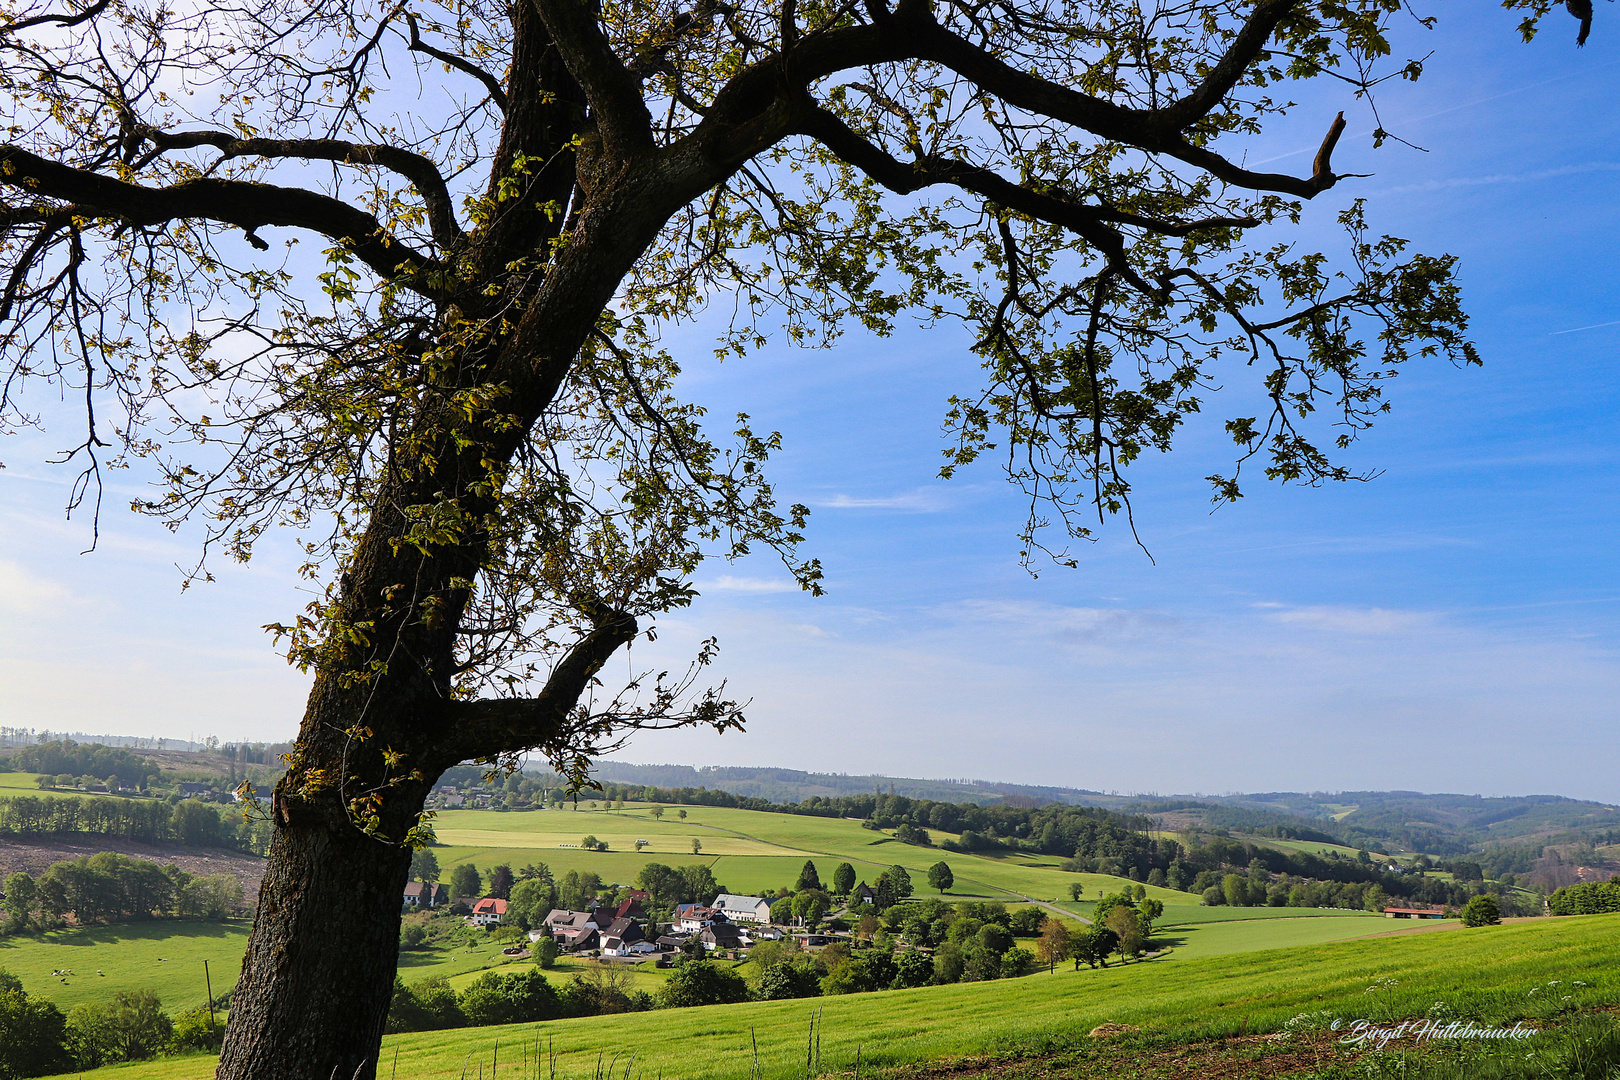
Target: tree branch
point(622, 119)
point(480, 729)
point(423, 174)
point(903, 178)
point(249, 206)
point(496, 92)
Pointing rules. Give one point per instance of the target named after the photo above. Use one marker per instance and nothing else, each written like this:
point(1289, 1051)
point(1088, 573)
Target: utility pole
point(209, 982)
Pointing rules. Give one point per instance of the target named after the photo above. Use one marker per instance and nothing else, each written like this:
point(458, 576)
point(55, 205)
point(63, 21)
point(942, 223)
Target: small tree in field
point(1482, 910)
point(1053, 944)
point(843, 879)
point(1075, 890)
point(1122, 921)
point(657, 813)
point(697, 845)
point(940, 877)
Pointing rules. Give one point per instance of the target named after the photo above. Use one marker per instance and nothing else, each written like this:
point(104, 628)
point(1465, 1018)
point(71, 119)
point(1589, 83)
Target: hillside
point(1440, 825)
point(1206, 1018)
point(794, 785)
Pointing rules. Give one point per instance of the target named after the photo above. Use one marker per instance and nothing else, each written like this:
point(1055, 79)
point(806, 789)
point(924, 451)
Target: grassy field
point(164, 956)
point(1486, 974)
point(747, 850)
point(27, 783)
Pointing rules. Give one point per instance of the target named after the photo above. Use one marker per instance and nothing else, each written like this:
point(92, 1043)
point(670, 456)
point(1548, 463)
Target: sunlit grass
point(1487, 974)
point(165, 956)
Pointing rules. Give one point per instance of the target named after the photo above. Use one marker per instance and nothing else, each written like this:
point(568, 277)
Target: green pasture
point(27, 783)
point(750, 851)
point(1202, 939)
point(1486, 974)
point(1197, 913)
point(1308, 847)
point(165, 956)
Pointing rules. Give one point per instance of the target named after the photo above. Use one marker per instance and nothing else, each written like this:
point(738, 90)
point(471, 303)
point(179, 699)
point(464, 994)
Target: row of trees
point(1588, 898)
point(36, 1039)
point(528, 996)
point(87, 759)
point(109, 887)
point(182, 821)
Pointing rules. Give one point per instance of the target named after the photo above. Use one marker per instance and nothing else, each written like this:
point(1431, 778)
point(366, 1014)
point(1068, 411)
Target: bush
point(699, 982)
point(131, 1027)
point(411, 937)
point(33, 1034)
point(509, 999)
point(429, 1005)
point(792, 979)
point(1015, 960)
point(1214, 896)
point(1482, 911)
point(196, 1029)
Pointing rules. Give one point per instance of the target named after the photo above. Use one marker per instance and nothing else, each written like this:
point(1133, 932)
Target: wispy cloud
point(1451, 183)
point(728, 583)
point(928, 500)
point(23, 593)
point(1364, 622)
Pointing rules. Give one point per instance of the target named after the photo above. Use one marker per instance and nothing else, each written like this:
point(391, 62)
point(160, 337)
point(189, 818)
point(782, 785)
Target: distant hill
point(793, 785)
point(1437, 824)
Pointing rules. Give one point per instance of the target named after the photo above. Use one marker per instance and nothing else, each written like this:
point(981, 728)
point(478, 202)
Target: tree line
point(152, 821)
point(66, 757)
point(1588, 898)
point(109, 888)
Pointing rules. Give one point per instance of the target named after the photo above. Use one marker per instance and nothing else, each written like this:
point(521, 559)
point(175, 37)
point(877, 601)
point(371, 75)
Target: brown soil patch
point(35, 855)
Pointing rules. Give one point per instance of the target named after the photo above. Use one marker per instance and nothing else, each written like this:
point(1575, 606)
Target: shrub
point(197, 1029)
point(131, 1027)
point(1482, 911)
point(699, 982)
point(33, 1034)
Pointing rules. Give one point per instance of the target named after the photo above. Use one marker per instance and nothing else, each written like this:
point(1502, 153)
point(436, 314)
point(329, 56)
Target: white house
point(752, 909)
point(488, 911)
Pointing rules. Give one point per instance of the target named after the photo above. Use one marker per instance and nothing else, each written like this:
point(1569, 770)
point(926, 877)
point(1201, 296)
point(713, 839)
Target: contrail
point(1578, 329)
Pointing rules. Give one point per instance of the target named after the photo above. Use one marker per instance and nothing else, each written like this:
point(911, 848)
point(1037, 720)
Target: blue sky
point(1451, 626)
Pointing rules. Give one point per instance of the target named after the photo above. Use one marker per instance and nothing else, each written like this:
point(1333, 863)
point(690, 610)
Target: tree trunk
point(319, 970)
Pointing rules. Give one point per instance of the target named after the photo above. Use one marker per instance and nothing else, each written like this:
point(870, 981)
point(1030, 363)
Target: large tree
point(396, 273)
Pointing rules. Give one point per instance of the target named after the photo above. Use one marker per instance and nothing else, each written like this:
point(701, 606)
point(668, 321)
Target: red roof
point(490, 905)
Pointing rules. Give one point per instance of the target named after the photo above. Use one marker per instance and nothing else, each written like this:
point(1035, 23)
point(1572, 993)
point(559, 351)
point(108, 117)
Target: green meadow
point(1532, 970)
point(748, 850)
point(165, 956)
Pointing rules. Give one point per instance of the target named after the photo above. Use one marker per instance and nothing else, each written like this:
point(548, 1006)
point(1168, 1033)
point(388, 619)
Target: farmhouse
point(721, 935)
point(863, 894)
point(694, 917)
point(573, 930)
point(620, 936)
point(425, 894)
point(753, 909)
point(488, 911)
point(1419, 912)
